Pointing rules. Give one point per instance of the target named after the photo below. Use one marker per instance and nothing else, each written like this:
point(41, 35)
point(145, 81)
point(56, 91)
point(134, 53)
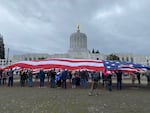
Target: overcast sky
point(45, 26)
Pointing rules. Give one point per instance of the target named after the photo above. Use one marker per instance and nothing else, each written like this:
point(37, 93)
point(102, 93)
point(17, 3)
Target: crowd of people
point(58, 78)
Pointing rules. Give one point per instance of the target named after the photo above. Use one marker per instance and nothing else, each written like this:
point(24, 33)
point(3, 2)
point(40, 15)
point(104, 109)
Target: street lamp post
point(7, 56)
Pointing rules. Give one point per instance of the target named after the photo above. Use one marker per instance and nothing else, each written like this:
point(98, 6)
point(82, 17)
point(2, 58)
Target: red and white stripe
point(127, 68)
point(61, 63)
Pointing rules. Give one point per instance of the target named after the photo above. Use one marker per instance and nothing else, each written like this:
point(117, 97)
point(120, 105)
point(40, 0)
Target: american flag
point(111, 65)
point(124, 66)
point(62, 63)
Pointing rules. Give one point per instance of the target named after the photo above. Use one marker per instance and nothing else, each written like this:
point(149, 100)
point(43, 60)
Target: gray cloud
point(44, 26)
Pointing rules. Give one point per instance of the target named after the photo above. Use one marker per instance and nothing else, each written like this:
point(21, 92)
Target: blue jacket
point(64, 75)
point(41, 75)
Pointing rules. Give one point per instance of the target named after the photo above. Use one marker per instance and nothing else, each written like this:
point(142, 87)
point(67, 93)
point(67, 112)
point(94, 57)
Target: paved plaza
point(131, 99)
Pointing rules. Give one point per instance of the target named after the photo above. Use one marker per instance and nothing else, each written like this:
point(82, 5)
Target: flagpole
point(7, 56)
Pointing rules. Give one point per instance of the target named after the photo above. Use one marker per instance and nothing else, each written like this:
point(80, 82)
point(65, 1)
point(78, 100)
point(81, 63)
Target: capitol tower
point(78, 42)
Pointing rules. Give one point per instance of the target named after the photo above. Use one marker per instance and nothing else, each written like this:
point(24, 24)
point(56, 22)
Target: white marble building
point(141, 59)
point(78, 50)
point(26, 57)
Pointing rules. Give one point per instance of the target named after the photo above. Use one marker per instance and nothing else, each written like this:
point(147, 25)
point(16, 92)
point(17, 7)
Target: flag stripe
point(70, 64)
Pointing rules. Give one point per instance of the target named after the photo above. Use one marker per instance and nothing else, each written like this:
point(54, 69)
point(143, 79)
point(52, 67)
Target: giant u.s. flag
point(62, 63)
point(124, 66)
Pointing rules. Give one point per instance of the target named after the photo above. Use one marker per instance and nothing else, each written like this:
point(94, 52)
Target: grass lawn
point(46, 100)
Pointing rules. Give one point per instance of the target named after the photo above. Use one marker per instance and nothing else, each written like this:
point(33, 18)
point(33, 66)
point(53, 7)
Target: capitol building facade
point(79, 50)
